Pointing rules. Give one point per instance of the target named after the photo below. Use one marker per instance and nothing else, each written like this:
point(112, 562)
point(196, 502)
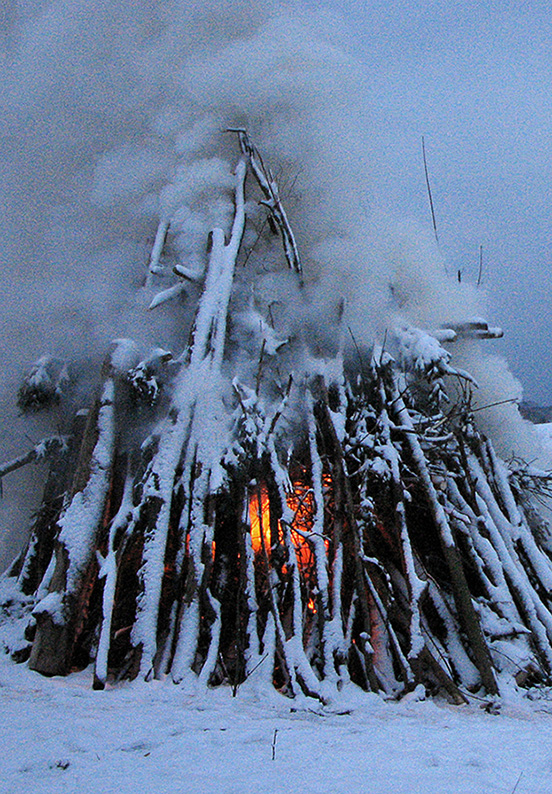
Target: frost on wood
point(305, 515)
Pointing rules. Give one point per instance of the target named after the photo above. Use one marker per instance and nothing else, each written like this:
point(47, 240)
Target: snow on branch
point(272, 200)
point(42, 450)
point(158, 244)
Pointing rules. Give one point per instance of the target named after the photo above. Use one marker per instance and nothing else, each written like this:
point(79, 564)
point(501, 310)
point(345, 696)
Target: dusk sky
point(475, 79)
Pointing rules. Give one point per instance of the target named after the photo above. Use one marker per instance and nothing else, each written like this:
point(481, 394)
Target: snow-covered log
point(61, 612)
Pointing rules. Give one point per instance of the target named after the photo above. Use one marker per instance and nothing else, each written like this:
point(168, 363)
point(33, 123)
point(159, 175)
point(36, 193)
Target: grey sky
point(475, 79)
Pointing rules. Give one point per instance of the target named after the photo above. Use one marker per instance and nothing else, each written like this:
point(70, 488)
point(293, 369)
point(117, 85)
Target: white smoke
point(113, 116)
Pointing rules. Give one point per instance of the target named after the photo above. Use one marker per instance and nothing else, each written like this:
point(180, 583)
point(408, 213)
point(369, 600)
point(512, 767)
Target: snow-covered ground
point(58, 735)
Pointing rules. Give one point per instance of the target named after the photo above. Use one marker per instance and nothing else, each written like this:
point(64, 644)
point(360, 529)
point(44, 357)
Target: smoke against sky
point(474, 79)
point(111, 118)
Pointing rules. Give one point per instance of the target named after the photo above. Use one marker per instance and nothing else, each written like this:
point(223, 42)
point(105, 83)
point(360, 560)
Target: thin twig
point(252, 248)
point(430, 196)
point(517, 783)
point(274, 737)
point(480, 273)
point(492, 405)
point(360, 361)
point(260, 368)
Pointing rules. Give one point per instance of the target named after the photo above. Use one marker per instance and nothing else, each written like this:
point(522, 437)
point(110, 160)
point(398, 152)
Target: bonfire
point(286, 504)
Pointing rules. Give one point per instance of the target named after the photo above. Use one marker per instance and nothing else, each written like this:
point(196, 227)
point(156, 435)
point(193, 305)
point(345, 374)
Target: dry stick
point(272, 200)
point(452, 642)
point(252, 247)
point(318, 545)
point(302, 667)
point(260, 368)
point(480, 272)
point(416, 586)
point(248, 649)
point(214, 643)
point(200, 534)
point(109, 571)
point(44, 448)
point(251, 653)
point(426, 171)
point(517, 783)
point(336, 623)
point(29, 566)
point(513, 400)
point(402, 661)
point(289, 669)
point(184, 487)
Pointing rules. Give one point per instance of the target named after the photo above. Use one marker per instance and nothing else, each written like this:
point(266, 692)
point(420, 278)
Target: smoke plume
point(113, 117)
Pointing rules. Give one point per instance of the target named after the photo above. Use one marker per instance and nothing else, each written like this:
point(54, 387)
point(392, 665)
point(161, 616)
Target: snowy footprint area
point(58, 735)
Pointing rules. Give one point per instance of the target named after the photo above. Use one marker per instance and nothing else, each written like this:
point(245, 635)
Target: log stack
point(322, 517)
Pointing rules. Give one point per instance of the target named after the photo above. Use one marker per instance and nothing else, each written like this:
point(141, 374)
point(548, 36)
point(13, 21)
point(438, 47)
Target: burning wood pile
point(324, 513)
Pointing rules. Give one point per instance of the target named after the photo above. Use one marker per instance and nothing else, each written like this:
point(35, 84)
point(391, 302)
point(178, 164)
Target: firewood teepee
point(306, 512)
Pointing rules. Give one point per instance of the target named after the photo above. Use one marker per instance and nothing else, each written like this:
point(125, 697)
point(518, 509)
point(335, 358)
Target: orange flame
point(301, 501)
point(259, 518)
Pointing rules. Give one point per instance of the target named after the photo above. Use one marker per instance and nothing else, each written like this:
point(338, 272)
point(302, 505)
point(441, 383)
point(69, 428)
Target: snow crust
point(59, 736)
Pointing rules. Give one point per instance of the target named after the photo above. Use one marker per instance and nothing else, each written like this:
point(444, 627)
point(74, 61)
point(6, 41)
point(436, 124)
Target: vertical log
point(109, 571)
point(185, 443)
point(60, 615)
point(416, 586)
